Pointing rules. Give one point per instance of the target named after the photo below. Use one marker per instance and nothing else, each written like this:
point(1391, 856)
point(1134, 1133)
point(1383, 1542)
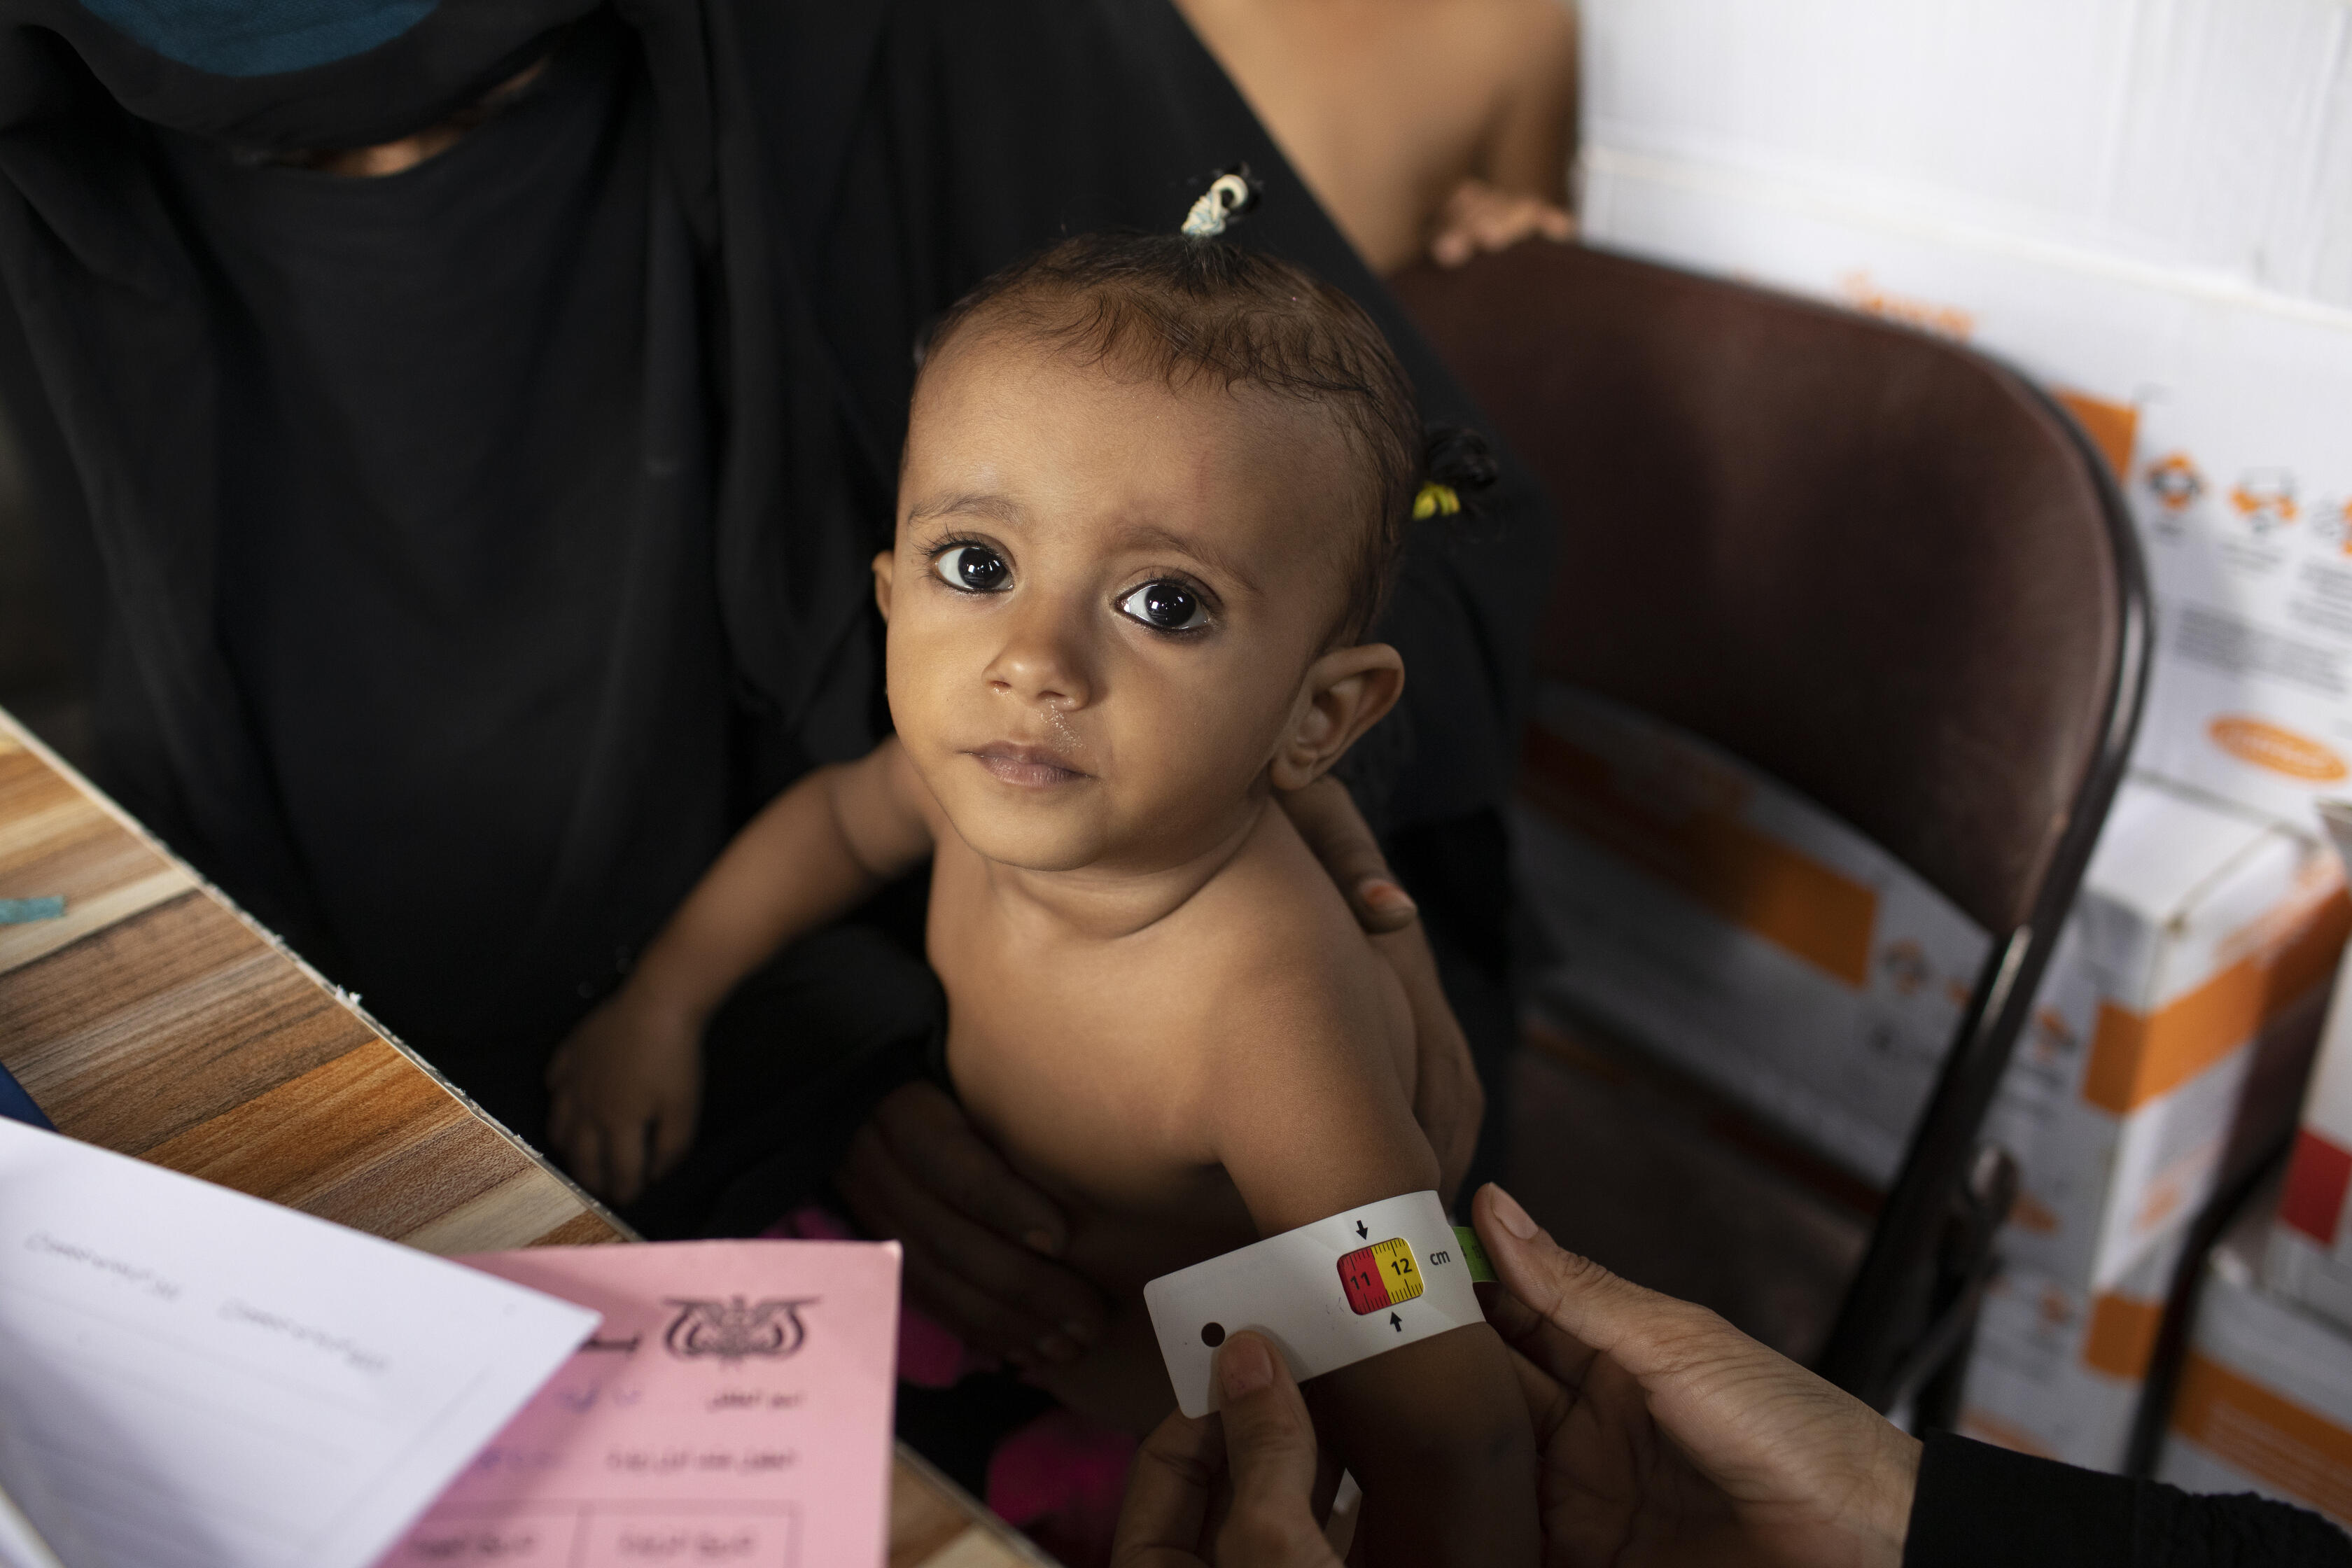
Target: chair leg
point(1929, 1381)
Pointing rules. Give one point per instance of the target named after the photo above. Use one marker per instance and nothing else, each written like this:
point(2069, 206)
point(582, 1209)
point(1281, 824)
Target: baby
point(1152, 491)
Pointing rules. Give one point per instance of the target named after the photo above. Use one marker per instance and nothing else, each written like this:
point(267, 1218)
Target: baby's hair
point(1197, 311)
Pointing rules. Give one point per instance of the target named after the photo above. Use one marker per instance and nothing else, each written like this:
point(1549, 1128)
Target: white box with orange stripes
point(2167, 1045)
point(2057, 1368)
point(2176, 1017)
point(2144, 205)
point(2307, 1256)
point(1695, 907)
point(2264, 1401)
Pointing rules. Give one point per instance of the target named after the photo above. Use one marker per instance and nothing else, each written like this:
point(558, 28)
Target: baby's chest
point(1079, 1070)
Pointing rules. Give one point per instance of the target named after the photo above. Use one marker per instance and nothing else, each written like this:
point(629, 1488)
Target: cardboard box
point(1694, 908)
point(2057, 1370)
point(2174, 1023)
point(2265, 1403)
point(2307, 1256)
point(2146, 207)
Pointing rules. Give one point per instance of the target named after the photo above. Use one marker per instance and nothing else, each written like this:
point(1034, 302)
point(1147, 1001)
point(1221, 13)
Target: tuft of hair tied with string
point(1458, 463)
point(1233, 193)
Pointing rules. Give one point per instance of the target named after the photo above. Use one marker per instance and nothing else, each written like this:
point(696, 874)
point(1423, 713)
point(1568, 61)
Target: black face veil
point(467, 551)
point(432, 578)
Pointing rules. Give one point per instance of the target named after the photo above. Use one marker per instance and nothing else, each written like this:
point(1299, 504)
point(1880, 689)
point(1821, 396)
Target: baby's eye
point(974, 568)
point(1167, 606)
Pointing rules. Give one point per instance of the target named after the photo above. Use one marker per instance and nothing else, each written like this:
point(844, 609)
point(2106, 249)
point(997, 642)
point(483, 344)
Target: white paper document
point(193, 1378)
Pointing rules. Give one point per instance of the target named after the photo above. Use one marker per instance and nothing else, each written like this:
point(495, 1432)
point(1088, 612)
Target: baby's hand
point(628, 1084)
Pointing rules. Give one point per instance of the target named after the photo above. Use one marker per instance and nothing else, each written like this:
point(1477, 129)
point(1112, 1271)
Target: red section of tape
point(1360, 1275)
point(2315, 1184)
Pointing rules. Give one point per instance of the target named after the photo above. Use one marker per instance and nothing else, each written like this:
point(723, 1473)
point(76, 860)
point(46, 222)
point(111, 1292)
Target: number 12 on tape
point(1380, 1276)
point(1328, 1294)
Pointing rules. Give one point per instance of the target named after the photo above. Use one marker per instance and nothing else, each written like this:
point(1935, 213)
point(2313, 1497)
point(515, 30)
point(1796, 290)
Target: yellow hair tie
point(1435, 500)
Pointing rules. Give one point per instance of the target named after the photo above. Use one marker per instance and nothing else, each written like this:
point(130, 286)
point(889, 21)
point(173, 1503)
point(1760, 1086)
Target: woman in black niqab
point(466, 551)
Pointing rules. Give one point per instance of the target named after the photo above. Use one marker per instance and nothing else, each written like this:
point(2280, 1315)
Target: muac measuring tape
point(1328, 1294)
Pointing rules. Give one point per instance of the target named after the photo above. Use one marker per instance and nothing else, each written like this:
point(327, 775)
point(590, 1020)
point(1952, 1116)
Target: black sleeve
point(1979, 1505)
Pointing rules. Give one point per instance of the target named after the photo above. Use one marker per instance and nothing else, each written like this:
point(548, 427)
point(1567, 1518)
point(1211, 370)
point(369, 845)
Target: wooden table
point(155, 1019)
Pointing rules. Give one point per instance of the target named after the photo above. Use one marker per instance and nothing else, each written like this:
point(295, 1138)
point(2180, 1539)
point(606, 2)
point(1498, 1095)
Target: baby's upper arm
point(1308, 1112)
point(884, 810)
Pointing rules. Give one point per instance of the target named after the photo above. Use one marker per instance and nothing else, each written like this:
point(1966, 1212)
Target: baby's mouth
point(1032, 766)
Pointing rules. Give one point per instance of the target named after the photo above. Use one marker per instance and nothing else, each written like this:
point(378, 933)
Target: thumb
point(1270, 1454)
point(1643, 1331)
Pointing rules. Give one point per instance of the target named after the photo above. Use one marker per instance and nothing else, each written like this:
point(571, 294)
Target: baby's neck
point(1103, 901)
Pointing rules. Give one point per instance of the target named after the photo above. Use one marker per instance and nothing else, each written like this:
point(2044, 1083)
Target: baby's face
point(1103, 600)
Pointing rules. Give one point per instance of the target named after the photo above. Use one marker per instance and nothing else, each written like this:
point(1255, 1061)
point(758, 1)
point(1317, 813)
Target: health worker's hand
point(626, 1085)
point(1669, 1436)
point(982, 1245)
point(1447, 1099)
point(1180, 1512)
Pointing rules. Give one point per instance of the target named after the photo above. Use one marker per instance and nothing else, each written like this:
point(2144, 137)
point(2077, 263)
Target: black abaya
point(470, 550)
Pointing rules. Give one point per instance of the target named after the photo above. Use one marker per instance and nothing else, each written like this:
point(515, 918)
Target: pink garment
point(929, 1356)
point(1060, 1479)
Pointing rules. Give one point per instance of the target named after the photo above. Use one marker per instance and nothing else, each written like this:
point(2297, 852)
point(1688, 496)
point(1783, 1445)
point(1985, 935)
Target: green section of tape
point(1482, 1272)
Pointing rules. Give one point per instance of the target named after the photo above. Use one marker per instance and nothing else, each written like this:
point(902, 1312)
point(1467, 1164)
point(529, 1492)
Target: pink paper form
point(734, 1409)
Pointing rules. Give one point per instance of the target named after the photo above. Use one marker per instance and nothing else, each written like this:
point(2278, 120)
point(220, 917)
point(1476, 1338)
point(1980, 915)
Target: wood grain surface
point(154, 1019)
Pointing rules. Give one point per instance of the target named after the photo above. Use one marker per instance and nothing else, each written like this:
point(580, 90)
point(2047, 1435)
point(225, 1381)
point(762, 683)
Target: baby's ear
point(884, 565)
point(1346, 693)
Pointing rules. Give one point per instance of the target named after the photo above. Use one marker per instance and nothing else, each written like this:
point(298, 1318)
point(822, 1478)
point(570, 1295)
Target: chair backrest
point(1875, 564)
point(1870, 562)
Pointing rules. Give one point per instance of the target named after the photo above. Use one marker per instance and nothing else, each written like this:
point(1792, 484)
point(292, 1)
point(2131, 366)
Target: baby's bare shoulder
point(1285, 952)
point(1306, 1040)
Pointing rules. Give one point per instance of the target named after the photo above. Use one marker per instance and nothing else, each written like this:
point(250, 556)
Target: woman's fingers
point(1160, 1524)
point(1769, 1432)
point(1270, 1449)
point(1479, 217)
point(939, 1148)
point(1448, 1099)
point(1579, 1297)
point(1000, 1297)
point(1336, 832)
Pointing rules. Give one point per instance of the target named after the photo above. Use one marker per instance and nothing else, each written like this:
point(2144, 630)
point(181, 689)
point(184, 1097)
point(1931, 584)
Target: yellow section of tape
point(1398, 1272)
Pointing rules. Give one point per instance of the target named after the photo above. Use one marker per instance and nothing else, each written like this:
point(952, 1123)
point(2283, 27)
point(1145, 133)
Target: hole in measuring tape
point(1213, 1335)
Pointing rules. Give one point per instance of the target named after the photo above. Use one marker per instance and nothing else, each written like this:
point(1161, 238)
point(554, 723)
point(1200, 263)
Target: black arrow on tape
point(1396, 1322)
point(1360, 1232)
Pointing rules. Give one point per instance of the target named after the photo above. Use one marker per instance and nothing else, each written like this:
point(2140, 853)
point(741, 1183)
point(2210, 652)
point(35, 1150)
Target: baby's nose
point(1042, 664)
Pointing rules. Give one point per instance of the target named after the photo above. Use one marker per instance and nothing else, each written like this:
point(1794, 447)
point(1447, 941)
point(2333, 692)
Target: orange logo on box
point(2282, 750)
point(1861, 292)
point(2175, 482)
point(2265, 500)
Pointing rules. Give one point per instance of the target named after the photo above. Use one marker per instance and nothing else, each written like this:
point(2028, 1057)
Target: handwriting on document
point(198, 1378)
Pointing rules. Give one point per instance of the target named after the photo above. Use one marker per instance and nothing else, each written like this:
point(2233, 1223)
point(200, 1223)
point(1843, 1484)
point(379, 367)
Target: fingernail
point(1040, 1241)
point(1515, 1218)
point(1055, 1348)
point(1386, 893)
point(1243, 1366)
